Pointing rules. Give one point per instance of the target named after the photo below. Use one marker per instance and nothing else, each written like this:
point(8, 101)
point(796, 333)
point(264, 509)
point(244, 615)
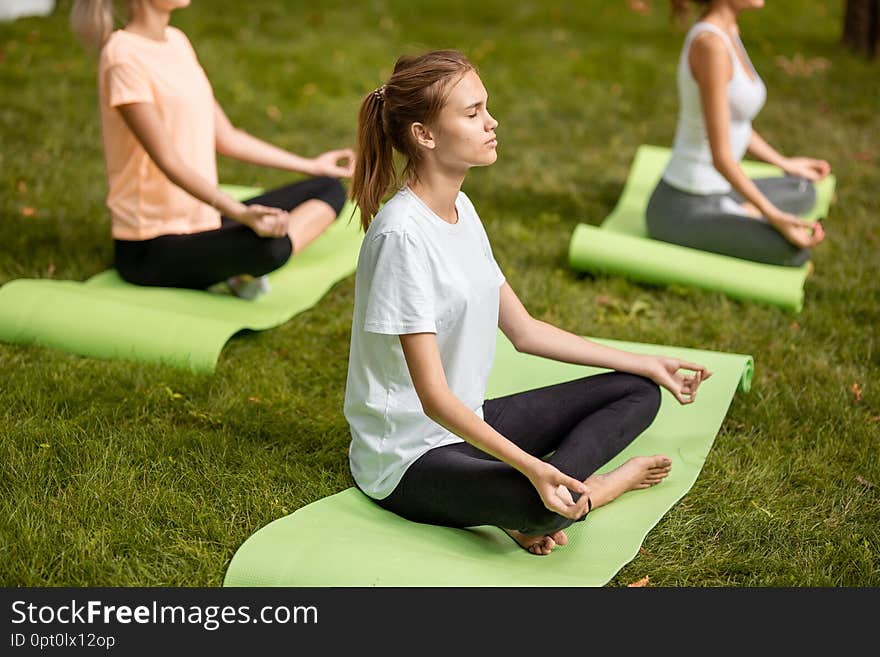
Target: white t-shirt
point(416, 273)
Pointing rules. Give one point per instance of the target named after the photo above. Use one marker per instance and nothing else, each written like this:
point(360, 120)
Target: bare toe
point(539, 545)
point(542, 545)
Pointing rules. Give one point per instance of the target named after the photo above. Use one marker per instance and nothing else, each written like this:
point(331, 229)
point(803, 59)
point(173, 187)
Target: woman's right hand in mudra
point(555, 489)
point(335, 164)
point(265, 221)
point(801, 233)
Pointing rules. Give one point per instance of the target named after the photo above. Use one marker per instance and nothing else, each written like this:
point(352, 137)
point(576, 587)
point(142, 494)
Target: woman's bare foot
point(538, 544)
point(638, 472)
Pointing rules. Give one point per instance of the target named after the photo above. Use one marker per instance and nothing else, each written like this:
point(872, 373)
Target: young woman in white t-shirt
point(429, 298)
point(704, 199)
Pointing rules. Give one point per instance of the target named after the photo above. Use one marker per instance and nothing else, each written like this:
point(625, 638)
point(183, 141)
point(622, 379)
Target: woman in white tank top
point(704, 199)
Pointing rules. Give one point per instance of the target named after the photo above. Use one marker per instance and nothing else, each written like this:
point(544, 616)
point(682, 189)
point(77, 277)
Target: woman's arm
point(805, 167)
point(238, 144)
point(761, 150)
point(144, 122)
point(441, 405)
point(532, 336)
point(710, 64)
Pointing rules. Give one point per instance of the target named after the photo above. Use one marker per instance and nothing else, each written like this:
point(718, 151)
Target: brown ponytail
point(415, 93)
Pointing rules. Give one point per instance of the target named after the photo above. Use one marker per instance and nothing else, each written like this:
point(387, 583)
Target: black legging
point(584, 423)
point(201, 259)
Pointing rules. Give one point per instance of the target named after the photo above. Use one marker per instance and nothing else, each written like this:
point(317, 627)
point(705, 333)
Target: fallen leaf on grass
point(172, 394)
point(28, 211)
point(865, 482)
point(795, 327)
point(44, 445)
point(639, 583)
point(863, 156)
point(645, 552)
point(22, 186)
point(254, 400)
point(876, 418)
point(857, 391)
point(273, 113)
point(639, 6)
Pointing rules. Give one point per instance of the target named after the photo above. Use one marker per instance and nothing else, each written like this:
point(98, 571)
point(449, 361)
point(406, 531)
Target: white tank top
point(690, 167)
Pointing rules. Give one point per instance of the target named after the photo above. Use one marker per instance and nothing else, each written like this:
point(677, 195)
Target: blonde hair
point(415, 93)
point(92, 21)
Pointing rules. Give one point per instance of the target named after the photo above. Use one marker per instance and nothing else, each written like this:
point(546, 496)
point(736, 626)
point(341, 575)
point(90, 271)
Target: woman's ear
point(422, 135)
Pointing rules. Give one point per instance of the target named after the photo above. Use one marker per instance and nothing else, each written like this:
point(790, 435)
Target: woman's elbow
point(225, 140)
point(520, 336)
point(723, 162)
point(431, 408)
point(519, 342)
point(433, 403)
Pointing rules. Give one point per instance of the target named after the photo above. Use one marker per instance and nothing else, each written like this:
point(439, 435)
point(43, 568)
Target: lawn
point(126, 474)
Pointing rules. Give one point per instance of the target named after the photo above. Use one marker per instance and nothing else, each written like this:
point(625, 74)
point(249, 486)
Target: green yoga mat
point(620, 246)
point(105, 317)
point(347, 540)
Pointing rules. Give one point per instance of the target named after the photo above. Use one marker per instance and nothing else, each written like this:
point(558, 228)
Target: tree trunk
point(861, 27)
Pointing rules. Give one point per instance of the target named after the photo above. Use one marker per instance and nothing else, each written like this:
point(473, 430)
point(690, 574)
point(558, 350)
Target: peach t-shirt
point(143, 203)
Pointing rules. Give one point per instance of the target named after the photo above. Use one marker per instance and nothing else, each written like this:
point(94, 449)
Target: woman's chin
point(488, 158)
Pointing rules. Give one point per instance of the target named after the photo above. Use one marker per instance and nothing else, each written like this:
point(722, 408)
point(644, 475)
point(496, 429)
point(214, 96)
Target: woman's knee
point(274, 253)
point(801, 195)
point(798, 257)
point(643, 390)
point(331, 191)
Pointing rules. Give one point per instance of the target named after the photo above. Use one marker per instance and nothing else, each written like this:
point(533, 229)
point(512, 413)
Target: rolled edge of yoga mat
point(652, 261)
point(745, 381)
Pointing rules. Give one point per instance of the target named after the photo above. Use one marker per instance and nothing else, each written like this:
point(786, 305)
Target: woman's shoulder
point(117, 48)
point(706, 36)
point(465, 202)
point(395, 216)
point(178, 36)
point(122, 46)
point(708, 47)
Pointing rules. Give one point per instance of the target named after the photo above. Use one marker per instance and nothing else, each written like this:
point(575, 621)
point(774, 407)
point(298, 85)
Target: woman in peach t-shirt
point(172, 226)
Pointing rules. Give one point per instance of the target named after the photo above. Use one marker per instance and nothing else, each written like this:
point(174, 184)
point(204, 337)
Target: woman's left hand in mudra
point(670, 373)
point(328, 164)
point(807, 167)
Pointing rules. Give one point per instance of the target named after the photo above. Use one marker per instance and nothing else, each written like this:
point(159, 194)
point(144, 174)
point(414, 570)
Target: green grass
point(115, 473)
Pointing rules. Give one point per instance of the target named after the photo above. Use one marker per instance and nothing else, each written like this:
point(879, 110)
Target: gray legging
point(709, 222)
point(581, 424)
